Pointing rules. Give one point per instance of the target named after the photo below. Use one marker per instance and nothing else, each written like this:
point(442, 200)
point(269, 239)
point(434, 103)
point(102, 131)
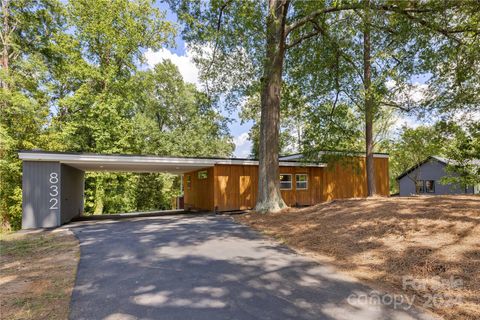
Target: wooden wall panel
point(200, 195)
point(234, 187)
point(348, 179)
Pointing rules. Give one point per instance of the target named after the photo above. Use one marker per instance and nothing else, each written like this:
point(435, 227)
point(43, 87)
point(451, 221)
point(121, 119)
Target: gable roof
point(421, 163)
point(442, 160)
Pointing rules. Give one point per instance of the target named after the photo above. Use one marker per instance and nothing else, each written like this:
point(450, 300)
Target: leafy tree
point(28, 62)
point(71, 80)
point(283, 32)
point(411, 148)
point(463, 151)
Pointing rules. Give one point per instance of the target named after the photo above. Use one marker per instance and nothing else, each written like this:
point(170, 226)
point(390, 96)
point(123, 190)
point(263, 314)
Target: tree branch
point(407, 13)
point(301, 39)
point(315, 14)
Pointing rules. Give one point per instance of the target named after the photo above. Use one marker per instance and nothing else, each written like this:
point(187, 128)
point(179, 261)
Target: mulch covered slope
point(383, 241)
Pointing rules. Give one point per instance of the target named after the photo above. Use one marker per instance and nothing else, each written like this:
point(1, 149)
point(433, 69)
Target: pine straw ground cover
point(384, 241)
point(37, 274)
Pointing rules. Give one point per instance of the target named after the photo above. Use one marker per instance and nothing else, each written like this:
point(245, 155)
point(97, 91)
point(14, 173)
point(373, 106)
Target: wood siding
point(199, 195)
point(348, 179)
point(234, 187)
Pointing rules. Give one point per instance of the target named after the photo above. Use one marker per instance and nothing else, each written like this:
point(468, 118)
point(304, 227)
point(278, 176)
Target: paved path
point(206, 267)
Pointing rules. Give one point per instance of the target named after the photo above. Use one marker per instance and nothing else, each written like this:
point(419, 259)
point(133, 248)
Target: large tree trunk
point(369, 103)
point(269, 198)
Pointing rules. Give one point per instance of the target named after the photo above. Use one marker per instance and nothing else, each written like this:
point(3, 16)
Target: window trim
point(291, 181)
point(296, 181)
point(188, 179)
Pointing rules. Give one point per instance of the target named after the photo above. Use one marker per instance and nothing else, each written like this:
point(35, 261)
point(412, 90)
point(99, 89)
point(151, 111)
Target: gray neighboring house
point(427, 175)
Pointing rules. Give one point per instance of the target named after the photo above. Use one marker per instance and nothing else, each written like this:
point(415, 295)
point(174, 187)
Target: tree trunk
point(269, 198)
point(369, 103)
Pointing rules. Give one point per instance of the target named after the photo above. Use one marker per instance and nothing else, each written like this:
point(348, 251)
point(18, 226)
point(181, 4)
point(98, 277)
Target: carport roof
point(141, 163)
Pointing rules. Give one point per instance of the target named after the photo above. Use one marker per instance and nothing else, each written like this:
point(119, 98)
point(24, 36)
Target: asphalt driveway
point(209, 267)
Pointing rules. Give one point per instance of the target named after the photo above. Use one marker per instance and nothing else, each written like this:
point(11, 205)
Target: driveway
point(208, 267)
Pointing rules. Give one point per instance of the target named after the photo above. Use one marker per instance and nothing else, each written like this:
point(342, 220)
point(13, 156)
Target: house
point(233, 186)
point(53, 182)
point(425, 178)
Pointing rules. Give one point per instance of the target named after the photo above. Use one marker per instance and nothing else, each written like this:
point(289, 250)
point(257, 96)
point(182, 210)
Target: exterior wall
point(431, 170)
point(301, 197)
point(52, 194)
point(72, 191)
point(41, 194)
point(348, 178)
point(234, 187)
point(199, 195)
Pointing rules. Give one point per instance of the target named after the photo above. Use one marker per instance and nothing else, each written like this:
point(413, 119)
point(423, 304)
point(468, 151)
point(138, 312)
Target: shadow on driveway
point(207, 267)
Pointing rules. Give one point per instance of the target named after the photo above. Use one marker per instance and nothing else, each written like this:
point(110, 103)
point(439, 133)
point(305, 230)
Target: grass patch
point(37, 274)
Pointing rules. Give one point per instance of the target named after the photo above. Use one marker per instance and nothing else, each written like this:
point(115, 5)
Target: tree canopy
point(73, 79)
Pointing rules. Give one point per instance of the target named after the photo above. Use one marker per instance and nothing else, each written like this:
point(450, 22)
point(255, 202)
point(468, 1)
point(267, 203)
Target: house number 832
point(53, 190)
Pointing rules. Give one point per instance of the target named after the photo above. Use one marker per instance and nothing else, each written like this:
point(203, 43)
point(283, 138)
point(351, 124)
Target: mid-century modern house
point(53, 182)
point(425, 178)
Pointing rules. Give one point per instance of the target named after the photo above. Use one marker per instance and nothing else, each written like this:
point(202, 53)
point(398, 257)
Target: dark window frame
point(291, 181)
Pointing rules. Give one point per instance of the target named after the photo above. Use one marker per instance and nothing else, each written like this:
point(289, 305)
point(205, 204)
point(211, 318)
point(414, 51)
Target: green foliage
point(464, 153)
point(24, 94)
point(412, 147)
point(460, 144)
point(74, 83)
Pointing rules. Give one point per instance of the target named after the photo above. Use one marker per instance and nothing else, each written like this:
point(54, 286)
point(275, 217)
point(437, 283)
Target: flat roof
point(142, 163)
point(337, 152)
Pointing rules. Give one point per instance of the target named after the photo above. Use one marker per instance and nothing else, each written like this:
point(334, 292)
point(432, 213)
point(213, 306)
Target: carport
point(53, 182)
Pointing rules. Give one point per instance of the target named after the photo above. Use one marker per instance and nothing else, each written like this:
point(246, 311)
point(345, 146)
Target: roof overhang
point(138, 163)
point(298, 156)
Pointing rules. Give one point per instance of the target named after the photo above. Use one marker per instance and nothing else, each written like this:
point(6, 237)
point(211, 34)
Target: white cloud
point(241, 139)
point(390, 84)
point(185, 64)
point(242, 145)
point(409, 121)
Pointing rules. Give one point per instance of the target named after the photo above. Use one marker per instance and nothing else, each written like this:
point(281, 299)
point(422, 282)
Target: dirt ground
point(37, 274)
point(426, 249)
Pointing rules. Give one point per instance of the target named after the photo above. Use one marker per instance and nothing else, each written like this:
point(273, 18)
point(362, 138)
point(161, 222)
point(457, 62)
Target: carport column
point(52, 194)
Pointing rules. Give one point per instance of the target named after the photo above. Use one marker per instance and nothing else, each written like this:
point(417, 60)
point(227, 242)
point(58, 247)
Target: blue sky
point(181, 58)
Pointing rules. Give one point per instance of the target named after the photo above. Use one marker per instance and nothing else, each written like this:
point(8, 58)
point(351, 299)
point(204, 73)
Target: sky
point(180, 56)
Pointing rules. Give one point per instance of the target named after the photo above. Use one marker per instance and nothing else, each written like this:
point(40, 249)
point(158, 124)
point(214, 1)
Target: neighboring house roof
point(443, 160)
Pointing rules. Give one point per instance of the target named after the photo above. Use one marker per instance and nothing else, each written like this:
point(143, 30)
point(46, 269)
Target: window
point(202, 175)
point(189, 182)
point(425, 186)
point(429, 186)
point(286, 181)
point(419, 186)
point(301, 181)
